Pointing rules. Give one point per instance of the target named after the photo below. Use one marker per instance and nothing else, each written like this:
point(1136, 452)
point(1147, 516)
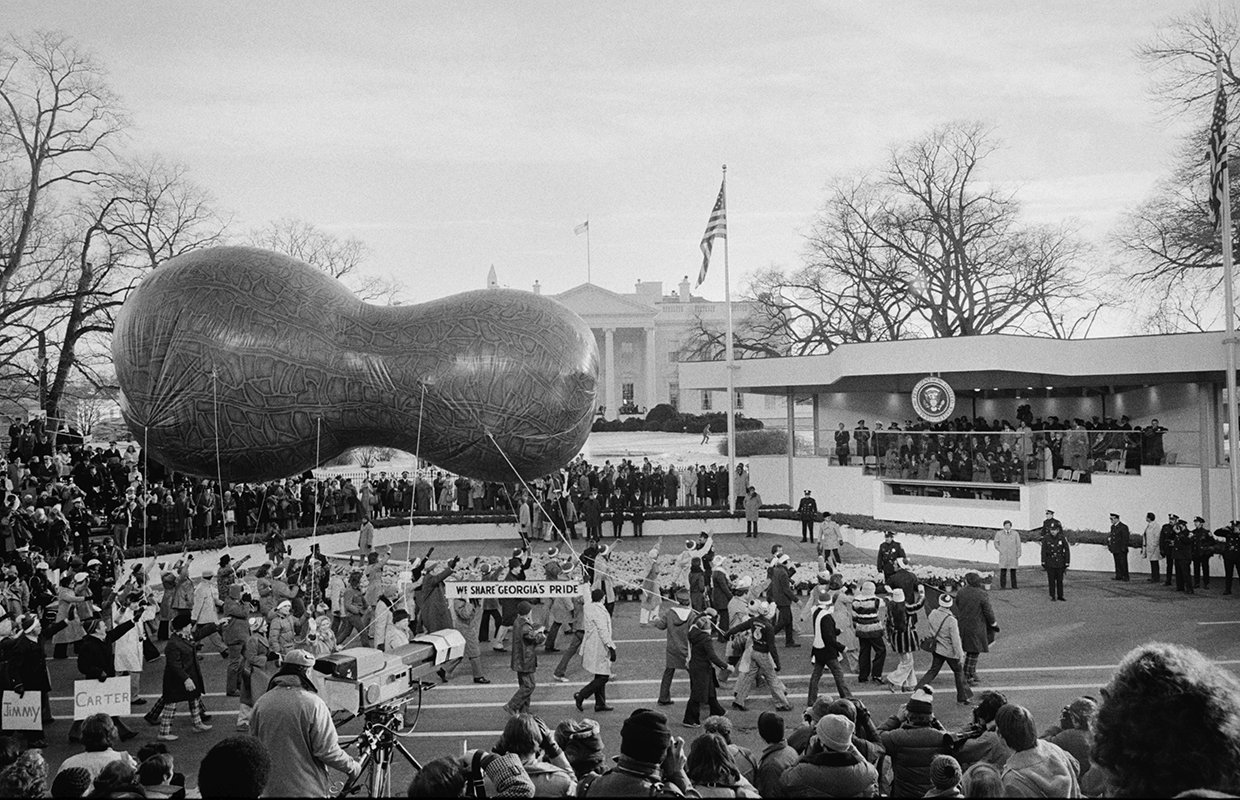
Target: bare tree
point(921, 247)
point(340, 258)
point(1172, 257)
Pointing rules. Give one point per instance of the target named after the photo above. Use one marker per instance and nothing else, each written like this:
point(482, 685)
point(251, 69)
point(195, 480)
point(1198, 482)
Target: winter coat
point(830, 774)
point(1117, 539)
point(1044, 770)
point(180, 663)
point(1007, 542)
point(464, 616)
point(525, 644)
point(236, 621)
point(697, 590)
point(829, 535)
point(782, 593)
point(1149, 542)
point(253, 656)
point(127, 649)
point(296, 725)
point(946, 631)
point(73, 630)
point(775, 760)
point(675, 620)
point(911, 749)
point(975, 617)
point(433, 604)
point(720, 589)
point(903, 639)
point(95, 654)
point(282, 634)
point(752, 503)
point(595, 658)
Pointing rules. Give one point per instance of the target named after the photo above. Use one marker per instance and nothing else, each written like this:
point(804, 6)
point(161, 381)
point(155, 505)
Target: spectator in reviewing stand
point(1168, 723)
point(1036, 767)
point(239, 766)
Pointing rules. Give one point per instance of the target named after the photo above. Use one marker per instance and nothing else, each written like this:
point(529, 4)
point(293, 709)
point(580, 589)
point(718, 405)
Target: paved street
point(1046, 655)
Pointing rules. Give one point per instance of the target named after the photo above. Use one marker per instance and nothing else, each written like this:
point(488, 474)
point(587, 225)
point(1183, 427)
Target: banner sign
point(110, 697)
point(519, 590)
point(23, 713)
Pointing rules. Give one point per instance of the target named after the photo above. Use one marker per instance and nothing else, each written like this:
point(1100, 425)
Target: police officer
point(1056, 556)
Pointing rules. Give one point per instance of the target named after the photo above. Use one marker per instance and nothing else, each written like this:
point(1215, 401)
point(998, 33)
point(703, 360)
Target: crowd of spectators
point(998, 451)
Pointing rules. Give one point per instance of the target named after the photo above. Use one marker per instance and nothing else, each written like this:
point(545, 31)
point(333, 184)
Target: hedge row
point(659, 420)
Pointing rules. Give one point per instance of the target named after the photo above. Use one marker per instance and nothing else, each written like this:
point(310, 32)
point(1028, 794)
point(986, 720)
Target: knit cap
point(72, 782)
point(822, 707)
point(582, 743)
point(835, 732)
point(524, 607)
point(645, 736)
point(945, 772)
point(922, 701)
point(770, 727)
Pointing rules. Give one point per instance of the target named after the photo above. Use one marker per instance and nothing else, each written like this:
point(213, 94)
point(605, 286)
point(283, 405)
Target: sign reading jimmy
point(933, 399)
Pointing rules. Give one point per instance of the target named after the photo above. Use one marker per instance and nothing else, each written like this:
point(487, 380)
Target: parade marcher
point(574, 629)
point(524, 660)
point(182, 678)
point(948, 649)
point(432, 603)
point(27, 671)
point(830, 538)
point(281, 629)
point(1203, 549)
point(826, 650)
point(465, 613)
point(128, 651)
point(291, 720)
point(597, 653)
point(902, 639)
point(676, 620)
point(807, 510)
point(95, 662)
point(1149, 546)
point(764, 660)
point(1056, 556)
point(256, 653)
point(1182, 550)
point(1007, 543)
point(867, 624)
point(1117, 543)
point(976, 619)
point(235, 620)
point(720, 596)
point(782, 595)
point(703, 681)
point(697, 585)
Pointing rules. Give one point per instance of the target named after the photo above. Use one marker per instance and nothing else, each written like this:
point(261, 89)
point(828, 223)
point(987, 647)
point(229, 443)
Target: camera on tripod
point(360, 679)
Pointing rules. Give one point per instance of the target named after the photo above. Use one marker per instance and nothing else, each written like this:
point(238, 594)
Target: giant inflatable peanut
point(276, 367)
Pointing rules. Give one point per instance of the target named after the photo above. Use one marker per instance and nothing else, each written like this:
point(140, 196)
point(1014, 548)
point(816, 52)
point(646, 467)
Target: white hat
point(744, 582)
point(94, 562)
point(945, 600)
point(81, 576)
point(897, 595)
point(284, 605)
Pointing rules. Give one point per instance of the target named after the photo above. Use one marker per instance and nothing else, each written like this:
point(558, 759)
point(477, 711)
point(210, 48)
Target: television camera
point(379, 686)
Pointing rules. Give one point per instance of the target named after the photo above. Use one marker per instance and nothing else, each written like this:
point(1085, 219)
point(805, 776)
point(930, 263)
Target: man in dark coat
point(977, 623)
point(1117, 543)
point(182, 676)
point(720, 596)
point(1055, 554)
point(889, 552)
point(841, 445)
point(782, 596)
point(1166, 538)
point(1182, 551)
point(1203, 550)
point(95, 662)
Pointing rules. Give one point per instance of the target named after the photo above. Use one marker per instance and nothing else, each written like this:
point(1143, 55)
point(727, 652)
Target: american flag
point(718, 226)
point(1216, 155)
point(582, 228)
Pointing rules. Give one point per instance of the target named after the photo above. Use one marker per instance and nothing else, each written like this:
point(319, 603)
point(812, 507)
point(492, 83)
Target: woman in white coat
point(127, 657)
point(597, 652)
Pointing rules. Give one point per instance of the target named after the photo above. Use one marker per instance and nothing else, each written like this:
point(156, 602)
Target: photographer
point(293, 721)
point(980, 742)
point(651, 762)
point(530, 740)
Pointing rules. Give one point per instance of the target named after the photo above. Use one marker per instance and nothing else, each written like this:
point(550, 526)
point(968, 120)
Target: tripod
point(377, 744)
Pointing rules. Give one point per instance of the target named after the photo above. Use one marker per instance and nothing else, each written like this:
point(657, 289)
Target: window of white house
point(705, 400)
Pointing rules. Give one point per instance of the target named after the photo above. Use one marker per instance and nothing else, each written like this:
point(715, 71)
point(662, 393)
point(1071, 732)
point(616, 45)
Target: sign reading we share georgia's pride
point(109, 697)
point(22, 713)
point(518, 590)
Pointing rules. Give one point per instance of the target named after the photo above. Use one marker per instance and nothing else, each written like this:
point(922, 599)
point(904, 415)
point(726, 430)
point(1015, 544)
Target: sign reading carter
point(519, 590)
point(109, 697)
point(933, 399)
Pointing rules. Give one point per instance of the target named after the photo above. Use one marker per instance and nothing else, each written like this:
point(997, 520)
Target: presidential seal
point(933, 399)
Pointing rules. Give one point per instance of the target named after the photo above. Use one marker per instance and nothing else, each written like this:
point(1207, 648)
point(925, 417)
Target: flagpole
point(1225, 236)
point(731, 367)
point(588, 280)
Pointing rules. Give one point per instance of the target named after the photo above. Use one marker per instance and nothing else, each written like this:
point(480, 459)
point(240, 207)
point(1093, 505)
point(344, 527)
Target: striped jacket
point(866, 617)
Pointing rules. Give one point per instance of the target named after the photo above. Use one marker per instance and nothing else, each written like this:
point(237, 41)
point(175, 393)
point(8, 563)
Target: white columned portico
point(652, 393)
point(609, 365)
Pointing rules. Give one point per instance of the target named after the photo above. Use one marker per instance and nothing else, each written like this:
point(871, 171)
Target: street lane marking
point(1226, 622)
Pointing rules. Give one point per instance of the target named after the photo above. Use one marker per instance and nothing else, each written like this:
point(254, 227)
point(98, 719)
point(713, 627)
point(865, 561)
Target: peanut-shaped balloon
point(276, 367)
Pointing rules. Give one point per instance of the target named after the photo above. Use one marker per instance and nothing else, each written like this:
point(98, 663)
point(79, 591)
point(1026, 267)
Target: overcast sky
point(453, 136)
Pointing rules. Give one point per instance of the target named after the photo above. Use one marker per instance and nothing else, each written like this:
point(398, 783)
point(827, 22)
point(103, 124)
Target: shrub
point(757, 443)
point(660, 413)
